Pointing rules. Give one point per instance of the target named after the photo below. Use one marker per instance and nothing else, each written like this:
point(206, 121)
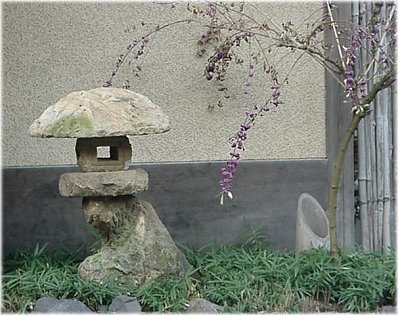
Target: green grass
point(250, 278)
point(31, 275)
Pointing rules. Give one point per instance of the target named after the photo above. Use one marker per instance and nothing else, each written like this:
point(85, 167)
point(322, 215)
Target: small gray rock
point(198, 305)
point(102, 309)
point(387, 309)
point(51, 305)
point(124, 304)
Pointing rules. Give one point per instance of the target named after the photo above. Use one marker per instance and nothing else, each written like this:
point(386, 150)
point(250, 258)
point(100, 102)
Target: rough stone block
point(103, 183)
point(136, 246)
point(100, 112)
point(103, 154)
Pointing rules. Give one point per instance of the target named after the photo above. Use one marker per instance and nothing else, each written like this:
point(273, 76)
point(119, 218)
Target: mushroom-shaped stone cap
point(101, 112)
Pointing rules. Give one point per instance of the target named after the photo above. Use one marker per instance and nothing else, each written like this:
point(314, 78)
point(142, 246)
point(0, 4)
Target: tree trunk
point(335, 183)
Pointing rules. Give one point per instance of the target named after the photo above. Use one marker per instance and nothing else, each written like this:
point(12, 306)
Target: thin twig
point(263, 14)
point(376, 58)
point(336, 35)
point(132, 46)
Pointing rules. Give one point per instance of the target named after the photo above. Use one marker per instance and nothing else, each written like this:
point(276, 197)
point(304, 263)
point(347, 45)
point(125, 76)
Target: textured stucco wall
point(52, 49)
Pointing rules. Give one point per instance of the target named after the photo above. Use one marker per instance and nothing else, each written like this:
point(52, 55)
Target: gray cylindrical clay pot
point(312, 225)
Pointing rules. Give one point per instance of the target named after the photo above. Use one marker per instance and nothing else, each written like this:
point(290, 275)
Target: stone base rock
point(51, 305)
point(136, 245)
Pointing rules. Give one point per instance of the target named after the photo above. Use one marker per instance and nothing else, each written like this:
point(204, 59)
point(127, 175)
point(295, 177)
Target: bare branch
point(336, 35)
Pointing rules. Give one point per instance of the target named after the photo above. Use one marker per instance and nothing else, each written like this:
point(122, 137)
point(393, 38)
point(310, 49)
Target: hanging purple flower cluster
point(350, 82)
point(237, 143)
point(275, 88)
point(238, 140)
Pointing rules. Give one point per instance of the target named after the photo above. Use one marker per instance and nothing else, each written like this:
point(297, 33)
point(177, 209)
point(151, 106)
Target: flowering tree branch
point(228, 26)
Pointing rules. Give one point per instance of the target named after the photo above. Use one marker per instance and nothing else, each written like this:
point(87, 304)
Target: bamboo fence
point(375, 151)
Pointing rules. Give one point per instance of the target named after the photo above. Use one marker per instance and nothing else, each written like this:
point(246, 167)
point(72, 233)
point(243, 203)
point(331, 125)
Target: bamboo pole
point(368, 170)
point(361, 147)
point(387, 155)
point(362, 182)
point(380, 150)
point(387, 132)
point(369, 146)
point(394, 161)
point(373, 156)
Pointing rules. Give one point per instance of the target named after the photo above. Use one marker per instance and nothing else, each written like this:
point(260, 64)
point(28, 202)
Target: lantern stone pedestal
point(136, 246)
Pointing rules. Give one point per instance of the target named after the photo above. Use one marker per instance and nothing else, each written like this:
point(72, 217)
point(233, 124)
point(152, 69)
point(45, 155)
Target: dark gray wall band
point(184, 196)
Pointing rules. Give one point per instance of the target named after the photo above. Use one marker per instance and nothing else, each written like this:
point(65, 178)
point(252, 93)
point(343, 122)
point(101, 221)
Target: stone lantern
point(135, 244)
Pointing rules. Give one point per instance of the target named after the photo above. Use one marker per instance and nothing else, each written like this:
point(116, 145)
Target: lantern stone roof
point(100, 112)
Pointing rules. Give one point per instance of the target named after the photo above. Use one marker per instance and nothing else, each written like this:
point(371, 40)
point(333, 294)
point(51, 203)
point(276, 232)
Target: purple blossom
point(251, 71)
point(355, 43)
point(350, 80)
point(362, 89)
point(211, 10)
point(107, 84)
point(276, 93)
point(200, 52)
point(236, 143)
point(204, 38)
point(392, 32)
point(349, 84)
point(220, 54)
